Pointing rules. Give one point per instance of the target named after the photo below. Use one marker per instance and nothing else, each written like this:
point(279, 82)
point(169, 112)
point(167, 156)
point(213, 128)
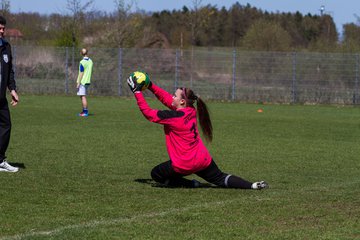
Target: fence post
point(66, 70)
point(73, 58)
point(191, 66)
point(356, 91)
point(176, 69)
point(14, 58)
point(233, 75)
point(293, 84)
point(120, 51)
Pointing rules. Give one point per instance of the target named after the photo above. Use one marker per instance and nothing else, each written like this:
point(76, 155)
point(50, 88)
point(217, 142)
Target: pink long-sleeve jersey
point(186, 150)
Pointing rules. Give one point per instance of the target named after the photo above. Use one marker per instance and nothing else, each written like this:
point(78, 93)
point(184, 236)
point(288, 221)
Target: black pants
point(5, 128)
point(165, 174)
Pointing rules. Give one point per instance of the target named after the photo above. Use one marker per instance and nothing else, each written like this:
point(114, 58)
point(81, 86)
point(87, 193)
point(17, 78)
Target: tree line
point(240, 26)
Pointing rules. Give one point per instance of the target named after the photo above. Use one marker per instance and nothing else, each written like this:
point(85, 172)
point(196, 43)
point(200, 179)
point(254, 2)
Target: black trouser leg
point(215, 176)
point(5, 128)
point(165, 174)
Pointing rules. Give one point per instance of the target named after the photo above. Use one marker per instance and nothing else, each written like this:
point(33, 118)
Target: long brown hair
point(204, 117)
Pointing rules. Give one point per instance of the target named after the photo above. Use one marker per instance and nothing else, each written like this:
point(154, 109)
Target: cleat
point(260, 185)
point(82, 114)
point(6, 167)
point(196, 183)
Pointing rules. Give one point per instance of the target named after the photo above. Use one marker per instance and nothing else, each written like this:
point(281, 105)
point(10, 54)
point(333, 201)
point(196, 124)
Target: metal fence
point(222, 74)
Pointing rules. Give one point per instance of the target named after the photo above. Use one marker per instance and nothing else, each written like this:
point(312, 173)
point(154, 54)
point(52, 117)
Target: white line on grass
point(108, 222)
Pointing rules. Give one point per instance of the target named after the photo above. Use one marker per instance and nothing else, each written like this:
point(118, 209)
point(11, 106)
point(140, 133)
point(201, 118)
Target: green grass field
point(89, 178)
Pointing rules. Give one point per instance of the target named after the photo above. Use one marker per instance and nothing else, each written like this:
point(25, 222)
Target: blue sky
point(343, 11)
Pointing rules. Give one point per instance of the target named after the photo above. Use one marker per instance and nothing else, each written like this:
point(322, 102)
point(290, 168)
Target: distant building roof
point(13, 33)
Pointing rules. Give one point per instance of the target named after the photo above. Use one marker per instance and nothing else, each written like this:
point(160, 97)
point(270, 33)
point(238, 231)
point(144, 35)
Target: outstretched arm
point(149, 113)
point(163, 96)
point(153, 115)
point(165, 117)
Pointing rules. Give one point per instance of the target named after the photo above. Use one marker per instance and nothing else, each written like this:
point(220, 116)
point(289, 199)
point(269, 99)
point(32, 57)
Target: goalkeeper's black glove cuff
point(150, 86)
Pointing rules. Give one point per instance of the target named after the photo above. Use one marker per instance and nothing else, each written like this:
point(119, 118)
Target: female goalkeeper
point(188, 154)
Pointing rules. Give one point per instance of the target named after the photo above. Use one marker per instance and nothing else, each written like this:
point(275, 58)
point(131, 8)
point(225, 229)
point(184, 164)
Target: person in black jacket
point(7, 81)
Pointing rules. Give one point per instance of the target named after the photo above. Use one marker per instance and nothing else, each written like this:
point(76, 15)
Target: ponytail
point(203, 113)
point(204, 118)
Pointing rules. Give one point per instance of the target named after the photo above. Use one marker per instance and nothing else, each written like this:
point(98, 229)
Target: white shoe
point(6, 167)
point(260, 185)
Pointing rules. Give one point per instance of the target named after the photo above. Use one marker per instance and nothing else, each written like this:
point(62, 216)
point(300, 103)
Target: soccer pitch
point(89, 178)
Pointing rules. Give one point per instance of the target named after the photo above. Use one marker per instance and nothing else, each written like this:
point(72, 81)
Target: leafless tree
point(77, 10)
point(123, 10)
point(5, 8)
point(195, 20)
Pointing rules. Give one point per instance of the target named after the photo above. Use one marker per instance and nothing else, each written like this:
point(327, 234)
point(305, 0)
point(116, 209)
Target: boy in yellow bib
point(83, 80)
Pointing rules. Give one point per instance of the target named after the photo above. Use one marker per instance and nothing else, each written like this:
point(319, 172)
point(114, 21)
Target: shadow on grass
point(151, 182)
point(19, 165)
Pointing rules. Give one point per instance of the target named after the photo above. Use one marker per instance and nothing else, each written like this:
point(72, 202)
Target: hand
point(14, 98)
point(134, 86)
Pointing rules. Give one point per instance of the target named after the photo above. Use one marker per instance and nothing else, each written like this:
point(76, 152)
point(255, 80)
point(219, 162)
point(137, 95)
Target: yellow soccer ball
point(140, 77)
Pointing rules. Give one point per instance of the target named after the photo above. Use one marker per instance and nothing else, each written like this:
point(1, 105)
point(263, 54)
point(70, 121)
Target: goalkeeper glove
point(133, 85)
